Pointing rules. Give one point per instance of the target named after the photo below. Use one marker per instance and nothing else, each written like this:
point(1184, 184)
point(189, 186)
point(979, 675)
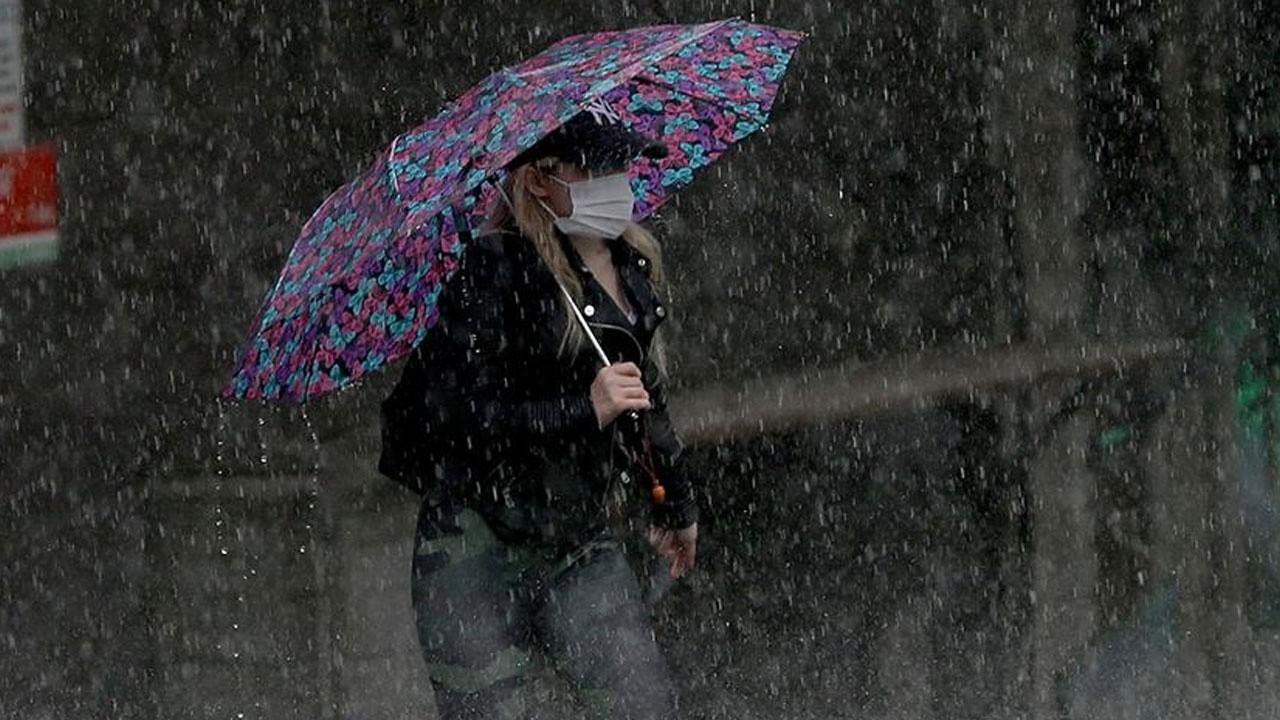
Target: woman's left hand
point(678, 546)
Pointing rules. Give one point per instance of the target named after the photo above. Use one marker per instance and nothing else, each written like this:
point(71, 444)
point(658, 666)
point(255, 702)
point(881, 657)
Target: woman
point(532, 453)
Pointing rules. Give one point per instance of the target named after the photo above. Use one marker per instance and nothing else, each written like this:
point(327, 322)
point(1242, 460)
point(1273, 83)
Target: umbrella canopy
point(359, 289)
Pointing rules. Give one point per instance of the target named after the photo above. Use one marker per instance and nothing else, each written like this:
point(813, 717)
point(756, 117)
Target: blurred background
point(975, 348)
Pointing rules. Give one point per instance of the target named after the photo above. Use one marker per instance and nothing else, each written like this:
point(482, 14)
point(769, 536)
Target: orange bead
point(659, 494)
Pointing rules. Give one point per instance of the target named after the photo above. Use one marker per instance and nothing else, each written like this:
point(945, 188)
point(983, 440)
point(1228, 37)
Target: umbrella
point(360, 286)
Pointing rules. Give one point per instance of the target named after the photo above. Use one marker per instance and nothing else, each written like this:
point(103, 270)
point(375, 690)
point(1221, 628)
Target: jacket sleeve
point(680, 508)
point(474, 341)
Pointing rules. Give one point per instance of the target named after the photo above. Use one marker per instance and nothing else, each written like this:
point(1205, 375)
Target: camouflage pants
point(487, 610)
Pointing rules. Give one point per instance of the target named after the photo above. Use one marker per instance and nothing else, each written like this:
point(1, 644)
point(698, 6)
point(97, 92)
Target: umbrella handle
point(592, 336)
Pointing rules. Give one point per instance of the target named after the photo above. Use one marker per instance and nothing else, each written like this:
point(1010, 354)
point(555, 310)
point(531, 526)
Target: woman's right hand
point(617, 389)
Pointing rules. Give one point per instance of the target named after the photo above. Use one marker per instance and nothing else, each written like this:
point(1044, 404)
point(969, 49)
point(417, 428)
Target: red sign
point(28, 204)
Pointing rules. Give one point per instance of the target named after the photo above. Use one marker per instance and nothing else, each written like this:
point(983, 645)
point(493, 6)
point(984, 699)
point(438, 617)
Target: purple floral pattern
point(360, 287)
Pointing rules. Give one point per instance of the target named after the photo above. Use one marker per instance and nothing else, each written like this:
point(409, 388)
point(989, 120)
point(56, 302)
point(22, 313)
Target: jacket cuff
point(582, 414)
point(675, 517)
point(565, 414)
point(678, 512)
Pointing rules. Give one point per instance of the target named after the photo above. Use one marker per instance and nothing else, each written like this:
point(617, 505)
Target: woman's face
point(559, 198)
point(556, 194)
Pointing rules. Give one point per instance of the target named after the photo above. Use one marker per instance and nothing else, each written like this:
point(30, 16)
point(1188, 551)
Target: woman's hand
point(678, 546)
point(617, 389)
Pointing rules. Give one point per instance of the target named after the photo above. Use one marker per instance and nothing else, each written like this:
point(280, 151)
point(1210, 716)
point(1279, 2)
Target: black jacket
point(491, 413)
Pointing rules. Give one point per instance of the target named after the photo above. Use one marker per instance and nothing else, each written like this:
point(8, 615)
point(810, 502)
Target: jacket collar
point(634, 273)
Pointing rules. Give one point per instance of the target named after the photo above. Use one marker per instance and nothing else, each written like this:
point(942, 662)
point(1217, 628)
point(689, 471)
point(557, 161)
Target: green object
point(1252, 394)
point(1114, 437)
point(28, 253)
point(508, 663)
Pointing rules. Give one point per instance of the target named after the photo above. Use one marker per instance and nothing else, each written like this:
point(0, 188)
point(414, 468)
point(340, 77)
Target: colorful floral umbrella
point(359, 289)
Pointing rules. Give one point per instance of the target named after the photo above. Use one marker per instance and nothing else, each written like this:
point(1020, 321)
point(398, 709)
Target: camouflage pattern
point(490, 611)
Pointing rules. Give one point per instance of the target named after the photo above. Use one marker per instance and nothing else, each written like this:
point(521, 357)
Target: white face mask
point(602, 206)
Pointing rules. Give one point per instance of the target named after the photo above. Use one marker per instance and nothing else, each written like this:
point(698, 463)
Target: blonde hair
point(516, 208)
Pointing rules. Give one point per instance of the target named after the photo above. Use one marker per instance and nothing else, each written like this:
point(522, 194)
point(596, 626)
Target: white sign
point(12, 127)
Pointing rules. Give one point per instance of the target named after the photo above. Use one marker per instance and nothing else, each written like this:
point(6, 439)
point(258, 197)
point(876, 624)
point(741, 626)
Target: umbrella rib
point(391, 157)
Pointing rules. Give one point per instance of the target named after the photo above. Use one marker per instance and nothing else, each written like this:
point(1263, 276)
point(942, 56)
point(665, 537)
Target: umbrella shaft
point(583, 322)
